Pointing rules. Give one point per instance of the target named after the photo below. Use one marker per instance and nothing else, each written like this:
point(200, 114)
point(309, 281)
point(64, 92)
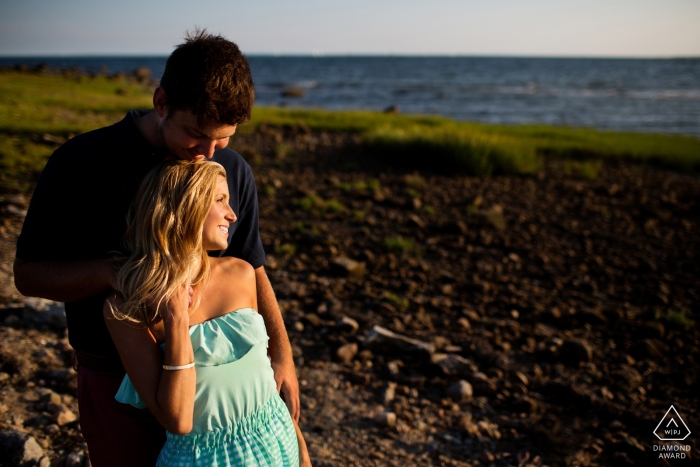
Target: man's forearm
point(279, 347)
point(63, 281)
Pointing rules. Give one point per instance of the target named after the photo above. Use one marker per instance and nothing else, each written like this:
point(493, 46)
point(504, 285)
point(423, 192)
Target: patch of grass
point(358, 215)
point(285, 248)
point(428, 209)
point(359, 186)
point(33, 104)
point(414, 181)
point(298, 226)
point(269, 191)
point(677, 317)
point(403, 246)
point(400, 303)
point(319, 206)
point(587, 169)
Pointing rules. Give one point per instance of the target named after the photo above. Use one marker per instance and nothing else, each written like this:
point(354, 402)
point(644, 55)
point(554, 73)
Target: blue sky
point(619, 28)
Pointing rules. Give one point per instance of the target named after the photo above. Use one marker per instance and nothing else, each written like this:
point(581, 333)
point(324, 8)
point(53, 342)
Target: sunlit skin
point(220, 217)
point(179, 132)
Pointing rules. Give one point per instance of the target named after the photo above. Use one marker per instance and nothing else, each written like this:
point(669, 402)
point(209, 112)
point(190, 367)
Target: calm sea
point(645, 95)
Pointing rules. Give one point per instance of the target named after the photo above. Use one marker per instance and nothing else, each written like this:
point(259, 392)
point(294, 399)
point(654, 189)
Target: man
point(76, 221)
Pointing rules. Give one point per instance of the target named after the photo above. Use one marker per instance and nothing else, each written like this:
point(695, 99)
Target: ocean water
point(641, 95)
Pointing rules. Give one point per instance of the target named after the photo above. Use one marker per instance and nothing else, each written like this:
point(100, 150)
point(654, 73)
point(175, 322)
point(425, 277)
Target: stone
point(452, 364)
point(348, 267)
point(75, 459)
point(464, 323)
point(486, 458)
point(630, 377)
point(60, 414)
point(52, 429)
point(575, 352)
point(525, 404)
point(467, 427)
point(461, 391)
point(380, 339)
point(482, 385)
point(42, 311)
point(387, 419)
point(347, 325)
point(20, 448)
point(346, 352)
point(47, 395)
point(520, 376)
point(313, 319)
point(646, 348)
point(389, 393)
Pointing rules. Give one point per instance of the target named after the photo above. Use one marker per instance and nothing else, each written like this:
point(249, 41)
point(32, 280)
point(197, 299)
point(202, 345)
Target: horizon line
point(362, 55)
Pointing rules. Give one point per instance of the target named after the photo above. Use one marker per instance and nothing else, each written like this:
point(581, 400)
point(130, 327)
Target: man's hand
point(280, 350)
point(288, 387)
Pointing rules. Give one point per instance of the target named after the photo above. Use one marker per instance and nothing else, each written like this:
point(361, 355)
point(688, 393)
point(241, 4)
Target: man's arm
point(279, 347)
point(64, 281)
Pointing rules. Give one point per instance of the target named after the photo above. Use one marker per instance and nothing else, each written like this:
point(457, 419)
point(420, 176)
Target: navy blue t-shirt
point(79, 208)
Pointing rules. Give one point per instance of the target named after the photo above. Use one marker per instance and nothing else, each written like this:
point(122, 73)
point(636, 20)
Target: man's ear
point(159, 102)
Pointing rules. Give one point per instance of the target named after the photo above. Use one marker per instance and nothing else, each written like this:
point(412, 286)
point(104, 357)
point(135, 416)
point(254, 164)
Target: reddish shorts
point(117, 434)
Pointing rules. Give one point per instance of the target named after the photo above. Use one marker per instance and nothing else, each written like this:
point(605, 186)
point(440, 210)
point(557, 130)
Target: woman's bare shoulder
point(231, 267)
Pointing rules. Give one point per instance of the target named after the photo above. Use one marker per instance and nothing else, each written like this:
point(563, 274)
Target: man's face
point(186, 140)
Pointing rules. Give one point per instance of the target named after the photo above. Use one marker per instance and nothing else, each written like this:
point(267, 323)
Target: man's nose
point(207, 147)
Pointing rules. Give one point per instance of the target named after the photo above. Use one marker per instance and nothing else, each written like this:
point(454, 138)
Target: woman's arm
point(169, 394)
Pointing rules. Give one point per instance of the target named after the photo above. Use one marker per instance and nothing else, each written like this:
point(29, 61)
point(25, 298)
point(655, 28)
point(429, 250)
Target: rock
point(525, 404)
point(3, 408)
point(392, 109)
point(348, 267)
point(520, 376)
point(293, 92)
point(47, 395)
point(440, 342)
point(380, 339)
point(20, 449)
point(486, 458)
point(75, 459)
point(482, 385)
point(464, 323)
point(13, 210)
point(467, 427)
point(52, 429)
point(348, 325)
point(60, 414)
point(387, 419)
point(313, 319)
point(630, 377)
point(575, 352)
point(64, 374)
point(646, 348)
point(347, 352)
point(42, 311)
point(461, 391)
point(452, 364)
point(389, 393)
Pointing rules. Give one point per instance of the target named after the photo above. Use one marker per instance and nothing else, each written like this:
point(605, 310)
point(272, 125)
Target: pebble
point(348, 267)
point(464, 323)
point(461, 391)
point(348, 325)
point(21, 449)
point(347, 352)
point(387, 419)
point(381, 339)
point(74, 459)
point(389, 393)
point(575, 351)
point(483, 386)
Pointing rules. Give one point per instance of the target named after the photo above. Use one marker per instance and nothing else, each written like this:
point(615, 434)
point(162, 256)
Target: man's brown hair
point(209, 76)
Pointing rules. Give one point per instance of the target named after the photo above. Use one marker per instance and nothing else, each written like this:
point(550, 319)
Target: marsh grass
point(32, 105)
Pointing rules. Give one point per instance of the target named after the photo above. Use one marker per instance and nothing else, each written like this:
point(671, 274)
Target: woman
point(185, 326)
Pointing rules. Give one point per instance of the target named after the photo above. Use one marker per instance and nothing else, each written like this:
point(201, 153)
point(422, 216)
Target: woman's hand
point(176, 308)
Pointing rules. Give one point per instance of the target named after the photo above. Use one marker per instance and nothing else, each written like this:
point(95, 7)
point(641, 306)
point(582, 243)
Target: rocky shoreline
point(440, 319)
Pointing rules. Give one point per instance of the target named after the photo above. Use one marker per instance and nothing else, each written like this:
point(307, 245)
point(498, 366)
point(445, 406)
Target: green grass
point(677, 317)
point(32, 105)
point(319, 206)
point(403, 246)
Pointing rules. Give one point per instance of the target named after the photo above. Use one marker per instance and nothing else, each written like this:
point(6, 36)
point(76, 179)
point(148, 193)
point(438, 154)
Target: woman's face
point(215, 231)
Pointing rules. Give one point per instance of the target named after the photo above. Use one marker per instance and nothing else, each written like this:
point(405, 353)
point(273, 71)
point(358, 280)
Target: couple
point(77, 219)
point(214, 361)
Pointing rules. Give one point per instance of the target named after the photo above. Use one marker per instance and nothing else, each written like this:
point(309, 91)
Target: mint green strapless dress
point(239, 418)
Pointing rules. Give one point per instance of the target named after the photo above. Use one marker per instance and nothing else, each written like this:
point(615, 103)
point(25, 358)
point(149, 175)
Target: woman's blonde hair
point(163, 239)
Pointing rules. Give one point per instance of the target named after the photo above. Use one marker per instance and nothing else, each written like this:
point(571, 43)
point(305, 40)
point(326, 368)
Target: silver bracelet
point(178, 367)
